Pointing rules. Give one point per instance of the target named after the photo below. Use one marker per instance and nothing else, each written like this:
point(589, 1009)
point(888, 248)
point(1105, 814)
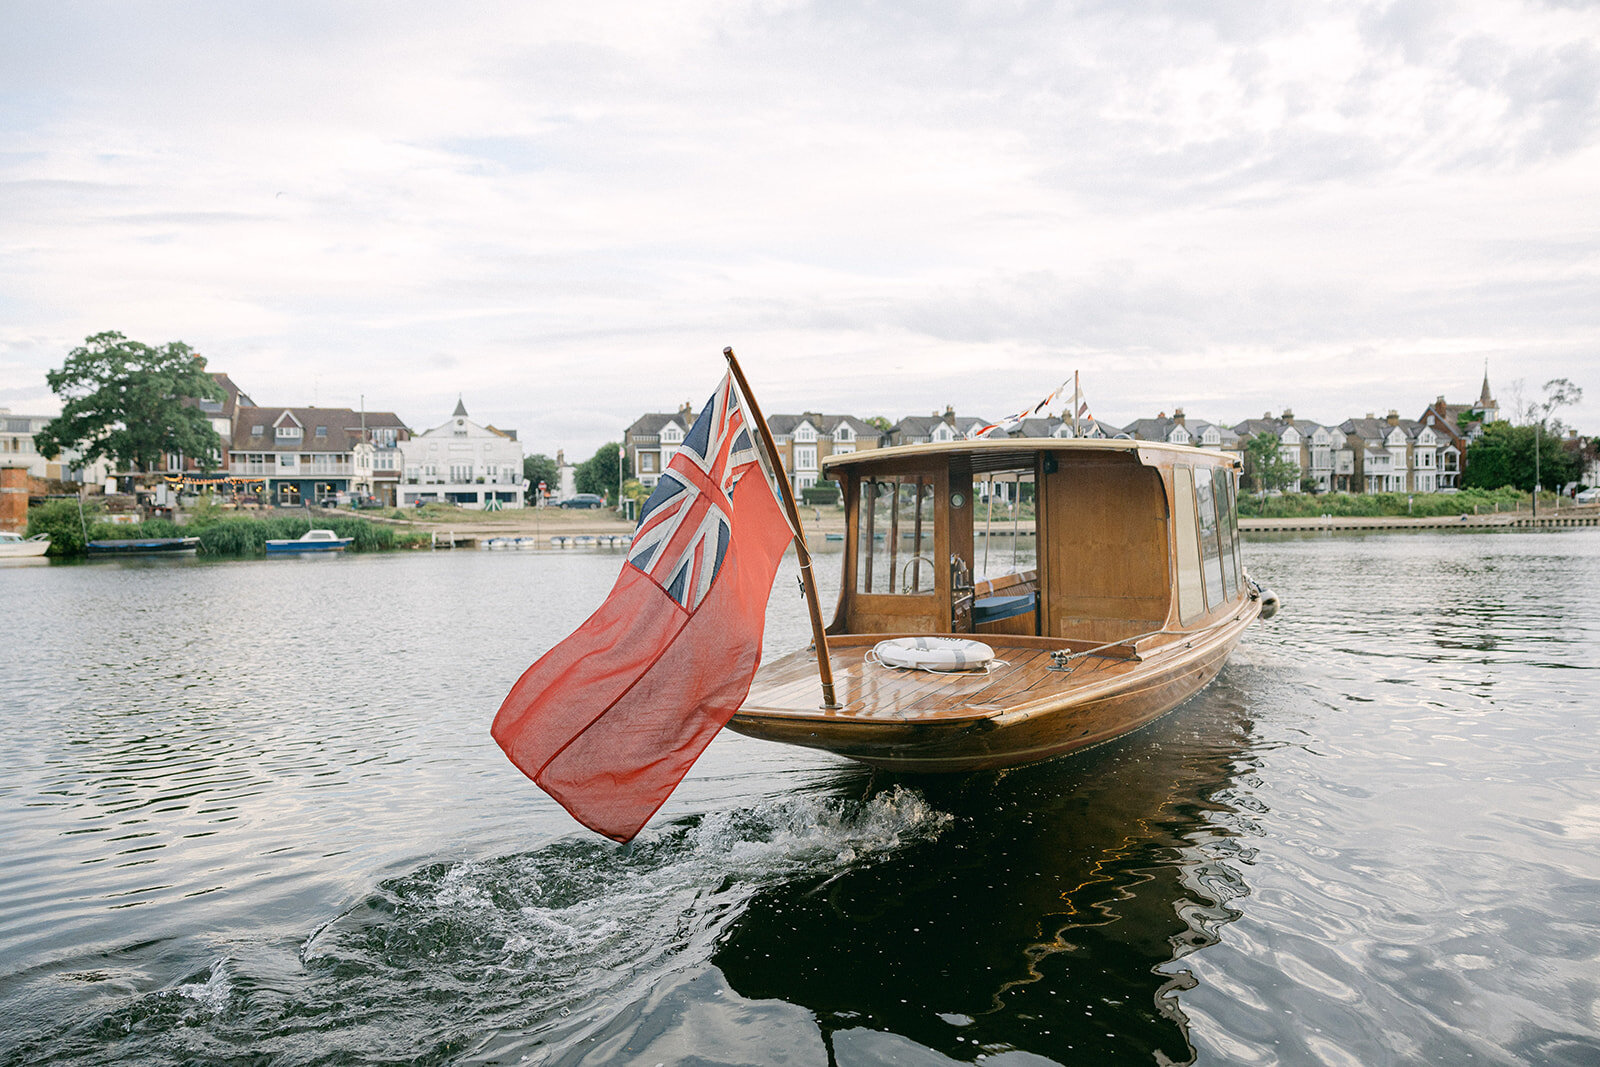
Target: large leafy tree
point(540, 468)
point(128, 402)
point(600, 474)
point(1265, 468)
point(1503, 455)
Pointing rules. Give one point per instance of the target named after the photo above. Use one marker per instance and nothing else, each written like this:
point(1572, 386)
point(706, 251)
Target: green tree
point(600, 474)
point(129, 403)
point(540, 468)
point(1503, 455)
point(1265, 469)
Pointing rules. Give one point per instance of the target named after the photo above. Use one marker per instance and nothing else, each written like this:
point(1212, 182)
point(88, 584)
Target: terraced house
point(805, 440)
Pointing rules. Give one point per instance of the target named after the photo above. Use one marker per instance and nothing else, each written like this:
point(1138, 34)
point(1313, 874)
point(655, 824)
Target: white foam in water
point(593, 904)
point(214, 993)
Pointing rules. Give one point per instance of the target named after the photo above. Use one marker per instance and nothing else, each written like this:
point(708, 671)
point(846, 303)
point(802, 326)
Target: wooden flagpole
point(807, 581)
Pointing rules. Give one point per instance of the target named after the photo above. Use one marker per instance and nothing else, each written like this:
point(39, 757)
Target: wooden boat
point(143, 546)
point(310, 541)
point(1135, 600)
point(15, 546)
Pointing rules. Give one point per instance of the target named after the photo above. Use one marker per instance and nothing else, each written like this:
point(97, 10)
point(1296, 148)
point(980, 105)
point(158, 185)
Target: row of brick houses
point(1359, 455)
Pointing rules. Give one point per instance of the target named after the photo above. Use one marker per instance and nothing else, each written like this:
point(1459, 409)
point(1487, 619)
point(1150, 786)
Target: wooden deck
point(871, 691)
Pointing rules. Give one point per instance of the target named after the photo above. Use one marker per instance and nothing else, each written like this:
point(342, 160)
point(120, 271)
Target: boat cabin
point(1132, 538)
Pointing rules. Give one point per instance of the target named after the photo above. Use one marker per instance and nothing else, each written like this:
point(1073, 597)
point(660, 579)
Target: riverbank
point(819, 523)
point(1576, 516)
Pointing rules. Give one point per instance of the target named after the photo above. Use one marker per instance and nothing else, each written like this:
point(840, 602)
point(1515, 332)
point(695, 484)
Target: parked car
point(1588, 496)
point(584, 500)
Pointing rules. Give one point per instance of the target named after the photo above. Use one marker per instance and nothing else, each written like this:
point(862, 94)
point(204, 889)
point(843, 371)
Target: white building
point(461, 462)
point(17, 449)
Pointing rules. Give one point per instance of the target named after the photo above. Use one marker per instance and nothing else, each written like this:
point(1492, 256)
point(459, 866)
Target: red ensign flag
point(610, 720)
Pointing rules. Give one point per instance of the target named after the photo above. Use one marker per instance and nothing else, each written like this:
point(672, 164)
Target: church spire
point(1485, 401)
point(461, 409)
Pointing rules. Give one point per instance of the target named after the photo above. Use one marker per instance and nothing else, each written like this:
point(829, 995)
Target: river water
point(250, 813)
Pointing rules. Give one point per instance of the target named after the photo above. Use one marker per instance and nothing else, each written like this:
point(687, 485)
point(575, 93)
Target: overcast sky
point(563, 212)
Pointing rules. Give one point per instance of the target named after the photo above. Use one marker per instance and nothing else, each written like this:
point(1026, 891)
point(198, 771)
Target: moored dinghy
point(1137, 597)
point(310, 541)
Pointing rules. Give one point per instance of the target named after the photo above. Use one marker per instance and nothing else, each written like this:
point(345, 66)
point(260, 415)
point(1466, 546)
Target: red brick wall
point(13, 498)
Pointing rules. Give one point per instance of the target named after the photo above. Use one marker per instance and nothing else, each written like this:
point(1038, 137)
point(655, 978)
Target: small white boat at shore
point(15, 546)
point(310, 541)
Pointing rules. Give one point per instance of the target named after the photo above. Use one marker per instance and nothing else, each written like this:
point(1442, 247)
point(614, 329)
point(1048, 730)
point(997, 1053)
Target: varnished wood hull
point(1024, 713)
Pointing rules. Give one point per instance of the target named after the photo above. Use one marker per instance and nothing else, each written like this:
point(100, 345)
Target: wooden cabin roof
point(990, 454)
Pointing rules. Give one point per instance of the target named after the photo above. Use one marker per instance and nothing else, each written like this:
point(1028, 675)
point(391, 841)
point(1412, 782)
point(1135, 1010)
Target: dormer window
point(805, 432)
point(1211, 437)
point(288, 433)
point(322, 431)
point(257, 430)
point(671, 433)
point(943, 432)
point(844, 433)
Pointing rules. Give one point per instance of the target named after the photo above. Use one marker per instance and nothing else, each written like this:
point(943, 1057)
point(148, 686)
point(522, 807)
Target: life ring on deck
point(933, 653)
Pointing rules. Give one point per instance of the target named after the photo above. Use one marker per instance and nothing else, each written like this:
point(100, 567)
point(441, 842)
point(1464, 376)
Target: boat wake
point(533, 951)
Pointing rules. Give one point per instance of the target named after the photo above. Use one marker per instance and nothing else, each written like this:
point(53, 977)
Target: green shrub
point(60, 519)
point(823, 494)
point(1421, 505)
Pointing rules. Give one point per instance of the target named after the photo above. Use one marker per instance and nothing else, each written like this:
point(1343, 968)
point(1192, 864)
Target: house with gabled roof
point(1457, 426)
point(1306, 445)
point(652, 440)
point(920, 430)
point(1389, 455)
point(464, 463)
point(1179, 429)
point(805, 440)
point(300, 455)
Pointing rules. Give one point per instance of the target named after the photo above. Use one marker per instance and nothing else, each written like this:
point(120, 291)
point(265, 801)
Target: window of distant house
point(805, 432)
point(288, 433)
point(257, 431)
point(647, 462)
point(943, 433)
point(288, 460)
point(322, 431)
point(844, 433)
point(1211, 437)
point(805, 457)
point(672, 433)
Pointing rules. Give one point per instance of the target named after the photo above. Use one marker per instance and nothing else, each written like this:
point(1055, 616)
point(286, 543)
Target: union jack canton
point(684, 529)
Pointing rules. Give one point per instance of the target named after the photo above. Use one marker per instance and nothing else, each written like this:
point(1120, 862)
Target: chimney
point(1288, 416)
point(1371, 415)
point(1267, 415)
point(1439, 400)
point(1177, 416)
point(949, 414)
point(1393, 418)
point(686, 410)
point(1161, 414)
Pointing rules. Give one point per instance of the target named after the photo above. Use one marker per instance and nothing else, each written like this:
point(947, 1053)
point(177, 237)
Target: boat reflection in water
point(1050, 917)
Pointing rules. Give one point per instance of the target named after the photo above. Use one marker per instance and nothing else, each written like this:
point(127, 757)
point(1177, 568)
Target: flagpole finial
point(728, 350)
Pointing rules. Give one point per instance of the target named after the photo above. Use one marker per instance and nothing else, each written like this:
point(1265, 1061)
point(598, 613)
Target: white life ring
point(934, 653)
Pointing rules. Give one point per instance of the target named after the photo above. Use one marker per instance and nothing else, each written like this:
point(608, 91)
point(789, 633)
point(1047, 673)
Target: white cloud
point(564, 213)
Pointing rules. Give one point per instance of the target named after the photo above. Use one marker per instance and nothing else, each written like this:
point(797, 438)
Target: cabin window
point(1186, 535)
point(894, 536)
point(1210, 544)
point(1226, 517)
